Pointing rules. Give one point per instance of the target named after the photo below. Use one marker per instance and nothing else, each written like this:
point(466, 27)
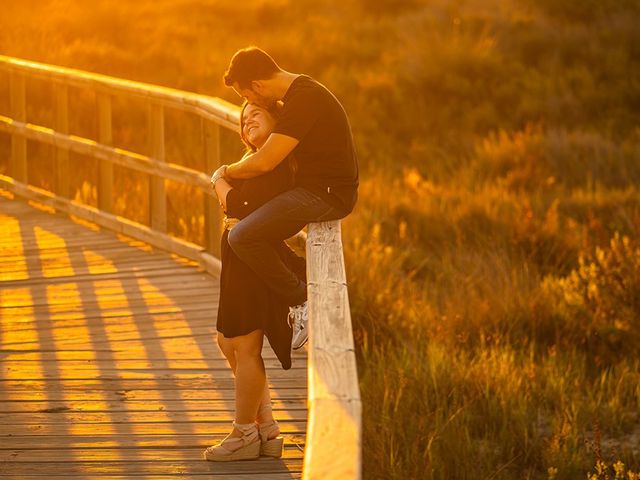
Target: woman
point(248, 310)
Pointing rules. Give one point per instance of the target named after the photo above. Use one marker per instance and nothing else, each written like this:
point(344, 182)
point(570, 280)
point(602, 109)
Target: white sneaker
point(298, 317)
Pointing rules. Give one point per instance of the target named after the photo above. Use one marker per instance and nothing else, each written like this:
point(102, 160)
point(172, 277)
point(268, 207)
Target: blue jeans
point(280, 218)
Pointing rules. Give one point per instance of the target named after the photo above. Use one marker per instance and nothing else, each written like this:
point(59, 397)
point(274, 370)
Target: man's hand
point(274, 151)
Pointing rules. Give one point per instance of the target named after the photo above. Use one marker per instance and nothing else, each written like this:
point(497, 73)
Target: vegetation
point(499, 210)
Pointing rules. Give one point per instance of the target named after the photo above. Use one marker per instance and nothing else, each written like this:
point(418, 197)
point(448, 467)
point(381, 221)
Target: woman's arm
point(222, 190)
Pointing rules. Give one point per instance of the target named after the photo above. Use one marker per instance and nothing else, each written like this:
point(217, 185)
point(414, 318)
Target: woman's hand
point(217, 175)
point(221, 186)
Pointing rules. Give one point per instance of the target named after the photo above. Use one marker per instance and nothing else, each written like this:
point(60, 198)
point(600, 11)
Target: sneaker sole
point(301, 345)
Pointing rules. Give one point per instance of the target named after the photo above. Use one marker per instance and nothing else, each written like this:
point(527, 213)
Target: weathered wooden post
point(157, 190)
point(212, 212)
point(19, 114)
point(62, 126)
point(105, 169)
point(334, 430)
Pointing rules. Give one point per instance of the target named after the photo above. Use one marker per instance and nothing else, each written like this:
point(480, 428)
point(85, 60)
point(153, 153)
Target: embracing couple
point(300, 167)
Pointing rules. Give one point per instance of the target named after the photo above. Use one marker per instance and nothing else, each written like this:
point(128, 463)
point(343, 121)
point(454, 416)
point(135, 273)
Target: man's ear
point(257, 86)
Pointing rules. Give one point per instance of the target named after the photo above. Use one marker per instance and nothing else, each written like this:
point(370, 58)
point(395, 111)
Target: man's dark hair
point(250, 64)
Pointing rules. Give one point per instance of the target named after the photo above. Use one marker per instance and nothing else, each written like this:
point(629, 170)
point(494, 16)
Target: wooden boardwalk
point(109, 362)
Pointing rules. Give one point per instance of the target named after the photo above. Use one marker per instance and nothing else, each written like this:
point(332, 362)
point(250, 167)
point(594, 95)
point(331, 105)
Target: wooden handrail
point(212, 108)
point(334, 427)
point(333, 447)
point(118, 156)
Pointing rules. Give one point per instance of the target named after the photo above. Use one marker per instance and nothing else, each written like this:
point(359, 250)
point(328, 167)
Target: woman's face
point(257, 125)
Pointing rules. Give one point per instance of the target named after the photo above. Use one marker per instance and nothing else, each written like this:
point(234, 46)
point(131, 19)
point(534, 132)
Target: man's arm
point(274, 151)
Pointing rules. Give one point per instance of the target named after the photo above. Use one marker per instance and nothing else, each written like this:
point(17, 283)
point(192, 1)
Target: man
point(313, 126)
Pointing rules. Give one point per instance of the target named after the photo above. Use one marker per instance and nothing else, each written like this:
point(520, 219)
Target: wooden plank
point(76, 294)
point(223, 376)
point(105, 169)
point(131, 354)
point(119, 454)
point(68, 293)
point(88, 299)
point(56, 373)
point(73, 239)
point(116, 318)
point(209, 475)
point(160, 417)
point(106, 365)
point(134, 406)
point(157, 467)
point(128, 395)
point(126, 272)
point(124, 440)
point(192, 316)
point(108, 384)
point(132, 399)
point(83, 259)
point(123, 314)
point(137, 428)
point(19, 113)
point(65, 274)
point(150, 272)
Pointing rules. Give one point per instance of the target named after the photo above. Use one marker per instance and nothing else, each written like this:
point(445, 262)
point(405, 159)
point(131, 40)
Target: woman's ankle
point(269, 430)
point(265, 413)
point(261, 419)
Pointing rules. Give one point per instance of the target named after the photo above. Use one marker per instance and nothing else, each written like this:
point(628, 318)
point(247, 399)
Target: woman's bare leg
point(227, 349)
point(265, 413)
point(264, 409)
point(250, 375)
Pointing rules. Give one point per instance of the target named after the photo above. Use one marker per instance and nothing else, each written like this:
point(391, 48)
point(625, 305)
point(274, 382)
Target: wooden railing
point(334, 427)
point(214, 113)
point(333, 447)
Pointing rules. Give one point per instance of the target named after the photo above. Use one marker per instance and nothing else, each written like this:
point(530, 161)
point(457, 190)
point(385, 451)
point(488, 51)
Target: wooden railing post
point(18, 113)
point(212, 213)
point(62, 126)
point(334, 429)
point(157, 190)
point(105, 169)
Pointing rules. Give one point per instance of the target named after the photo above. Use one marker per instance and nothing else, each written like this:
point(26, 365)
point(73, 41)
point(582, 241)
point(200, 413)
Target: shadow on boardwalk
point(110, 367)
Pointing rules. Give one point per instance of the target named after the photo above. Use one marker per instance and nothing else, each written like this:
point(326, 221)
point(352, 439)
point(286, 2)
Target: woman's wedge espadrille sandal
point(246, 447)
point(270, 447)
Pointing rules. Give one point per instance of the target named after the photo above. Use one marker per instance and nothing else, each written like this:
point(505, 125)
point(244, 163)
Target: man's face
point(253, 95)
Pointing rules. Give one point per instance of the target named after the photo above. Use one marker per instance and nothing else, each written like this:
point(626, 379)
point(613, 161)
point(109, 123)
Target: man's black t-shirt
point(326, 159)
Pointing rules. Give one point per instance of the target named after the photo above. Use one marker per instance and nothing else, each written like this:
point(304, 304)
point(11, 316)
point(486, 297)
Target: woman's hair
point(274, 111)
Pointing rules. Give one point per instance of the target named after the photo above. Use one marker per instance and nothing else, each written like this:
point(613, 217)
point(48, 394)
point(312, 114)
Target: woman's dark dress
point(246, 303)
